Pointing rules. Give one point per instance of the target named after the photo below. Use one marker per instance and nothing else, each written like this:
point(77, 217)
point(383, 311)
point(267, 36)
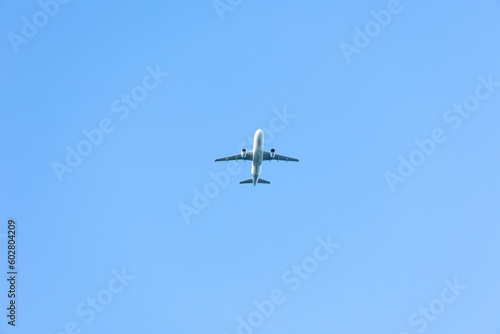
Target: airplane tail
point(251, 181)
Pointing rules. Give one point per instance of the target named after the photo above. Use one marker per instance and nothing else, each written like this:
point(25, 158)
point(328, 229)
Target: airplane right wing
point(277, 157)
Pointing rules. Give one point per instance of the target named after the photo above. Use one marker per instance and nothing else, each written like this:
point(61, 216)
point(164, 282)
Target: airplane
point(257, 156)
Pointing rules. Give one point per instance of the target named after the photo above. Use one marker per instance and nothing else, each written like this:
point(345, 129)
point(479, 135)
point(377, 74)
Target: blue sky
point(388, 224)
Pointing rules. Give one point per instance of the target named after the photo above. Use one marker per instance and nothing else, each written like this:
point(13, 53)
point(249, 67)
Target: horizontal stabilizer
point(251, 181)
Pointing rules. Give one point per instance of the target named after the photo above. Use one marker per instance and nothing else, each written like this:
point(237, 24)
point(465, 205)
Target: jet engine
point(272, 154)
point(244, 153)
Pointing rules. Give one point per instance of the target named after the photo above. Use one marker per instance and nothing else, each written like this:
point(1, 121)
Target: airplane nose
point(259, 134)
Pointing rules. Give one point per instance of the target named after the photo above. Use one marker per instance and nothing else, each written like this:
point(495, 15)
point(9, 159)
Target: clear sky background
point(119, 209)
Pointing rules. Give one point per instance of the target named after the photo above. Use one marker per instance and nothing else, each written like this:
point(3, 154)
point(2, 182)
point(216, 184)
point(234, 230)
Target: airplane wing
point(249, 157)
point(277, 157)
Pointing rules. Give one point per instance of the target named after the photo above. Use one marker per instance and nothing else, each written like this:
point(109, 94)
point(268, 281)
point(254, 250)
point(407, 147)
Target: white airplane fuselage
point(258, 151)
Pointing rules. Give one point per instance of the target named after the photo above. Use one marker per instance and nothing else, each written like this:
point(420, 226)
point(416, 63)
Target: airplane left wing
point(248, 157)
point(277, 157)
